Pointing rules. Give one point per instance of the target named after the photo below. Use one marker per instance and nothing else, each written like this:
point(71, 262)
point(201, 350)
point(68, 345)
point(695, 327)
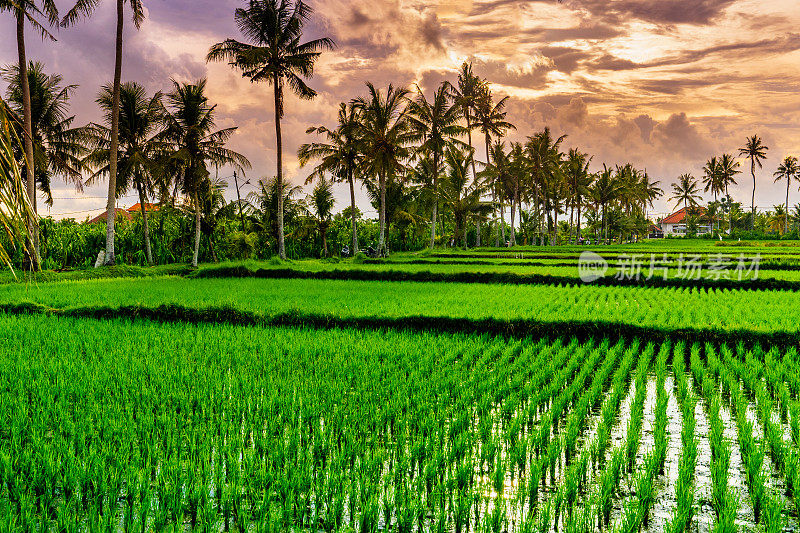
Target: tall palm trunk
point(513, 214)
point(353, 211)
point(382, 213)
point(488, 141)
point(435, 198)
point(196, 254)
point(753, 198)
point(279, 174)
point(111, 205)
point(30, 179)
point(786, 223)
point(578, 222)
point(474, 177)
point(324, 233)
point(502, 219)
point(145, 227)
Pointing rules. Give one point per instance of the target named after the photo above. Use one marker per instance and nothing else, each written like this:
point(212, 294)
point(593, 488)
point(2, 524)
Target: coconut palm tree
point(545, 158)
point(17, 210)
point(85, 8)
point(141, 146)
point(788, 170)
point(685, 191)
point(386, 135)
point(321, 203)
point(263, 205)
point(274, 54)
point(728, 168)
point(578, 179)
point(37, 14)
point(605, 190)
point(436, 125)
point(57, 146)
point(339, 155)
point(756, 152)
point(490, 118)
point(460, 197)
point(779, 221)
point(712, 178)
point(466, 94)
point(190, 127)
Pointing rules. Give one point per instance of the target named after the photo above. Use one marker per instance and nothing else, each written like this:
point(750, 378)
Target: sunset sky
point(662, 84)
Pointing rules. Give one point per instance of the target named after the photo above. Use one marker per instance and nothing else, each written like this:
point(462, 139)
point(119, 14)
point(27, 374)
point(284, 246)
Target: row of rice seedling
point(719, 314)
point(134, 426)
point(766, 507)
point(684, 511)
point(750, 368)
point(594, 471)
point(723, 499)
point(636, 513)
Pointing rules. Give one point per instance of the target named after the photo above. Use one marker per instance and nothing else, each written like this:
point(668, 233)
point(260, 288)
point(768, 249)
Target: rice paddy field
point(230, 399)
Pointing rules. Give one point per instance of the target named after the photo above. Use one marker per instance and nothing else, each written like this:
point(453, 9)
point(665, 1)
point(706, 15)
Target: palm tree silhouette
point(31, 12)
point(339, 155)
point(321, 203)
point(387, 135)
point(756, 152)
point(274, 54)
point(490, 118)
point(728, 168)
point(57, 146)
point(141, 145)
point(191, 126)
point(466, 94)
point(685, 191)
point(435, 124)
point(86, 8)
point(788, 170)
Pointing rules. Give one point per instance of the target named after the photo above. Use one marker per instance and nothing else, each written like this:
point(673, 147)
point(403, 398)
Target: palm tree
point(756, 152)
point(17, 210)
point(190, 128)
point(788, 170)
point(578, 180)
point(57, 146)
point(275, 55)
point(386, 135)
point(490, 118)
point(264, 201)
point(141, 146)
point(712, 179)
point(435, 123)
point(31, 12)
point(779, 221)
point(321, 203)
point(603, 192)
point(728, 168)
point(545, 157)
point(685, 191)
point(401, 204)
point(463, 199)
point(466, 94)
point(339, 155)
point(86, 8)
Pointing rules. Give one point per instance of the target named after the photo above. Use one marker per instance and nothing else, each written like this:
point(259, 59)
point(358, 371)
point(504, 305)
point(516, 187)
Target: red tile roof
point(136, 208)
point(103, 216)
point(679, 216)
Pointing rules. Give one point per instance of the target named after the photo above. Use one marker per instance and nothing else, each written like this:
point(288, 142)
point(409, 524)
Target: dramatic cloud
point(661, 84)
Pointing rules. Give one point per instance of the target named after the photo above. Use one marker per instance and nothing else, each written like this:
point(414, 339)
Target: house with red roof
point(121, 213)
point(137, 207)
point(676, 223)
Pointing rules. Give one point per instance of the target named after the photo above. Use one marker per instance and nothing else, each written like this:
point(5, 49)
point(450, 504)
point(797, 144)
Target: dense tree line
point(415, 155)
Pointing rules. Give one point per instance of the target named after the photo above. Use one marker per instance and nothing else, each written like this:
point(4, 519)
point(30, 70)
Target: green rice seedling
point(773, 507)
